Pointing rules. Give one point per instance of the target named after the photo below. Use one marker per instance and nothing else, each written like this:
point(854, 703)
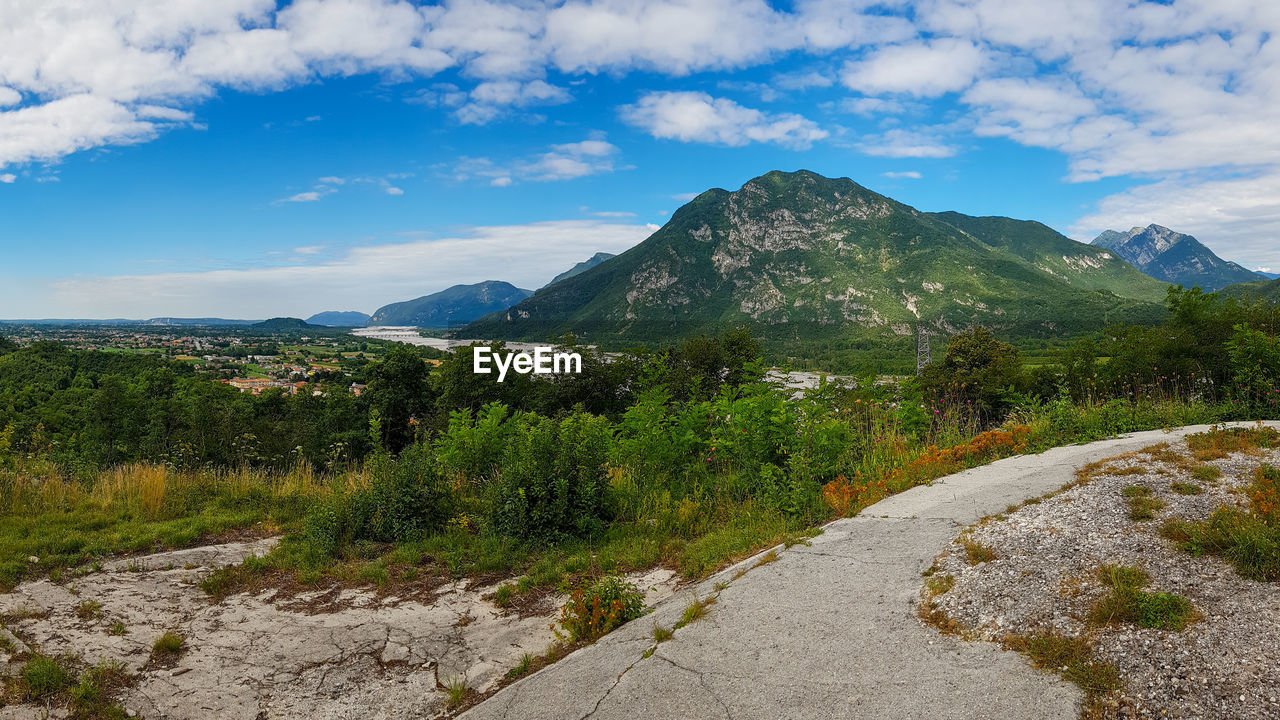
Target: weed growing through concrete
point(168, 645)
point(769, 557)
point(593, 611)
point(696, 610)
point(661, 634)
point(89, 610)
point(458, 692)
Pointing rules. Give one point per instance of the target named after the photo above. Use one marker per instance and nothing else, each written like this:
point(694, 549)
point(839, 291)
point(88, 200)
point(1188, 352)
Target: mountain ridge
point(801, 255)
point(453, 305)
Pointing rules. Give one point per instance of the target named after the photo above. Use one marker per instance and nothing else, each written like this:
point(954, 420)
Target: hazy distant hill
point(281, 324)
point(339, 318)
point(195, 321)
point(458, 304)
point(582, 267)
point(801, 255)
point(1174, 257)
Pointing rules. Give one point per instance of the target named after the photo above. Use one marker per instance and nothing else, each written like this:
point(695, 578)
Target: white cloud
point(363, 277)
point(394, 191)
point(9, 96)
point(802, 80)
point(899, 143)
point(685, 197)
point(331, 180)
point(906, 174)
point(489, 100)
point(310, 196)
point(309, 250)
point(698, 117)
point(8, 178)
point(871, 106)
point(920, 68)
point(567, 161)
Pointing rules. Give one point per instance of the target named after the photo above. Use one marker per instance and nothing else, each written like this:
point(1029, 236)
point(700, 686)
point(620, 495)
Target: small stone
point(179, 671)
point(33, 559)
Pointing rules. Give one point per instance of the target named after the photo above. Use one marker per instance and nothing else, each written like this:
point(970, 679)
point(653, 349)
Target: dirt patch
point(1046, 580)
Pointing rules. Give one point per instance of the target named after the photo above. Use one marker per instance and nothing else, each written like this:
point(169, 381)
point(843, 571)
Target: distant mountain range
point(453, 306)
point(801, 255)
point(582, 267)
point(1175, 258)
point(339, 318)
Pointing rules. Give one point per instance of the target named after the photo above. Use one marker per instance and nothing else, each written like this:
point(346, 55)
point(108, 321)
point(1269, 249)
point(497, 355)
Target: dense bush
point(406, 499)
point(553, 480)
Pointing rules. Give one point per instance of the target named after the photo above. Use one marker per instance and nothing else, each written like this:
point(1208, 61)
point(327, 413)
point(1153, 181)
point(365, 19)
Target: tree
point(399, 390)
point(974, 380)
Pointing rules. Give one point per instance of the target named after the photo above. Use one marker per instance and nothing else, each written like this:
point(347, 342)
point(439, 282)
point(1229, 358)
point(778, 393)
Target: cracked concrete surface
point(829, 630)
point(248, 657)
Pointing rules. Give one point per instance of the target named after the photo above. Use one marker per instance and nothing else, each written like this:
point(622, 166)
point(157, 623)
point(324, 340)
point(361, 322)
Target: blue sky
point(246, 159)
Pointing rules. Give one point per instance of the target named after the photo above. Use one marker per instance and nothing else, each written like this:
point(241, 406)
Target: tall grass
point(67, 521)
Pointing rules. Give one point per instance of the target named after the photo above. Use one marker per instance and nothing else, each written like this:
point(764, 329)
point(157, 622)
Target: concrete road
point(828, 630)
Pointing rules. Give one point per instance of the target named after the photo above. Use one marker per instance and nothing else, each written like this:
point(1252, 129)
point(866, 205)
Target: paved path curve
point(829, 630)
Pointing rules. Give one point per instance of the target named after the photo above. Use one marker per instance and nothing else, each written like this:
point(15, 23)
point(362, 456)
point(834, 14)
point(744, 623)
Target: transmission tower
point(923, 354)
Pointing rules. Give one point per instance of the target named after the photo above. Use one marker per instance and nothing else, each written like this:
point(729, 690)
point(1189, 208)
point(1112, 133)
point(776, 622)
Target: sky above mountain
point(250, 158)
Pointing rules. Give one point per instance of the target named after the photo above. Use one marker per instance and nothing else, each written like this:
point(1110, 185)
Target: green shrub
point(553, 482)
point(472, 448)
point(594, 611)
point(406, 499)
point(44, 676)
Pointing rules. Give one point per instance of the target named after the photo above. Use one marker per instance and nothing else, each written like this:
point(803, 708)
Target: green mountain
point(281, 324)
point(339, 318)
point(1265, 289)
point(801, 256)
point(582, 267)
point(1175, 257)
point(452, 306)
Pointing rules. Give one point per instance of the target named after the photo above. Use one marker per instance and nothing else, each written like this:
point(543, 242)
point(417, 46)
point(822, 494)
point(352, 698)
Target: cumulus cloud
point(363, 277)
point(899, 143)
point(920, 68)
point(393, 191)
point(489, 100)
point(8, 178)
point(696, 116)
point(565, 161)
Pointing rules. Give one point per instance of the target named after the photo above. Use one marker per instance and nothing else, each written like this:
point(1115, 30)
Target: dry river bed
point(331, 653)
point(1044, 579)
